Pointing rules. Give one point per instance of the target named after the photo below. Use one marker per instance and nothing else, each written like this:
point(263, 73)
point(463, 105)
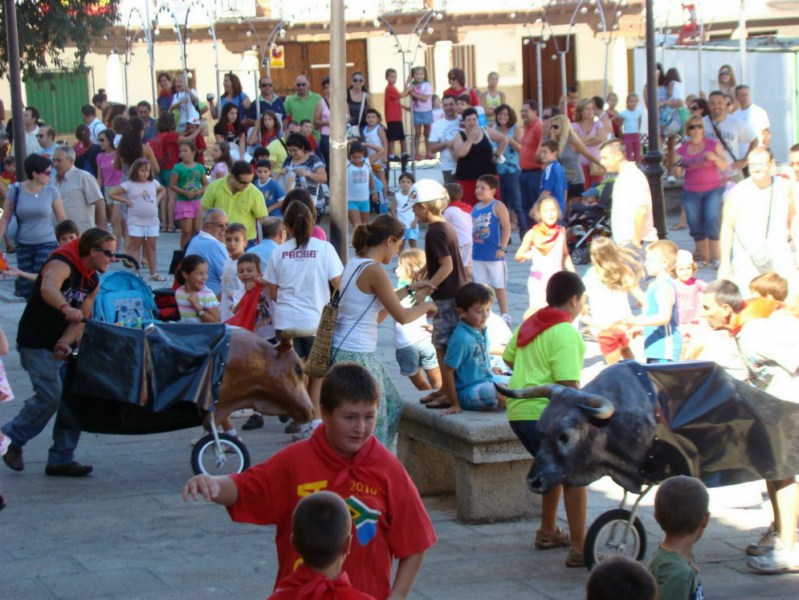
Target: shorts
point(143, 231)
point(394, 131)
point(411, 233)
point(359, 205)
point(491, 272)
point(482, 395)
point(466, 254)
point(444, 321)
point(420, 355)
point(108, 200)
point(302, 345)
point(527, 432)
point(423, 118)
point(187, 209)
point(612, 339)
point(164, 175)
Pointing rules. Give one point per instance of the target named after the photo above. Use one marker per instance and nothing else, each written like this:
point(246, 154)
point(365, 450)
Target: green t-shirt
point(677, 577)
point(244, 206)
point(301, 109)
point(554, 355)
point(189, 178)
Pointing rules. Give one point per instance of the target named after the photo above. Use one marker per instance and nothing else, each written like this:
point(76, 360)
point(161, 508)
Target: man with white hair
point(83, 200)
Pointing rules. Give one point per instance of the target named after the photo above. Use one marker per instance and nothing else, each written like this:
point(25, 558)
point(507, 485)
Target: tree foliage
point(55, 34)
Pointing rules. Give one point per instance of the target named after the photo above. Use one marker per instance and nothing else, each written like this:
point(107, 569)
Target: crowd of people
point(253, 254)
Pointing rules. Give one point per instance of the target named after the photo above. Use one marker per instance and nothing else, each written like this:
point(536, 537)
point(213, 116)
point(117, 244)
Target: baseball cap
point(427, 190)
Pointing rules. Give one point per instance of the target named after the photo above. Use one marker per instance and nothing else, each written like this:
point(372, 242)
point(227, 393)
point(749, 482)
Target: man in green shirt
point(546, 349)
point(302, 104)
point(238, 197)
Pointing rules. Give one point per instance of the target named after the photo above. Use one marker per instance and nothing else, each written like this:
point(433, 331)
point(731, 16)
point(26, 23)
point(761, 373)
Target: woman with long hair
point(229, 130)
point(357, 100)
point(571, 149)
point(592, 134)
point(262, 134)
point(368, 297)
point(726, 80)
point(166, 89)
point(509, 170)
point(233, 94)
point(132, 147)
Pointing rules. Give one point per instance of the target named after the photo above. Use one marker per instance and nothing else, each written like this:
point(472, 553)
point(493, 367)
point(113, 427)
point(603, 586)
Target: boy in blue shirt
point(273, 192)
point(467, 354)
point(553, 182)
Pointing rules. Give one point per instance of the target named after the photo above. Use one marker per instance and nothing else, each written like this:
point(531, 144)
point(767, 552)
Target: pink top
point(578, 129)
point(111, 176)
point(319, 233)
point(701, 175)
point(689, 300)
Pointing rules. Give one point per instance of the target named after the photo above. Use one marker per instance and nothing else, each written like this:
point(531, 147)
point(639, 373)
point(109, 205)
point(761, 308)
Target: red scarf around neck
point(539, 322)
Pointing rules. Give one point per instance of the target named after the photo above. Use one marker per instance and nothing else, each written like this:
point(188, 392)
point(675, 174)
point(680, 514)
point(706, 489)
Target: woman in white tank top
point(368, 297)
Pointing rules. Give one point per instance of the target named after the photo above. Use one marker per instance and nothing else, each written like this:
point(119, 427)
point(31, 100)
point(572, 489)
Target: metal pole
point(337, 174)
point(539, 76)
point(701, 42)
point(563, 81)
point(15, 79)
point(653, 157)
point(148, 33)
point(742, 40)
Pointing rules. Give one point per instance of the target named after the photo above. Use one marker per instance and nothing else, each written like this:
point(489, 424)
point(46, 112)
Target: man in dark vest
point(51, 324)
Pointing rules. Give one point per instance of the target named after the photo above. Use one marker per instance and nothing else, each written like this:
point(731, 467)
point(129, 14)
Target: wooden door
point(550, 69)
point(313, 60)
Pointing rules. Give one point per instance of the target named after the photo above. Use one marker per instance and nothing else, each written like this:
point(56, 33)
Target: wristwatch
point(201, 312)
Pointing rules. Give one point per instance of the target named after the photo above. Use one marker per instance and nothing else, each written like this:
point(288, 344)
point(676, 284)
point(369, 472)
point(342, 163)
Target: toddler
point(232, 288)
point(360, 185)
point(631, 128)
point(689, 297)
point(402, 208)
point(252, 308)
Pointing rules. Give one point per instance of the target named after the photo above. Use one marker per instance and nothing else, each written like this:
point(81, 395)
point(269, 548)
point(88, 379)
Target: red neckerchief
point(539, 322)
point(248, 309)
point(756, 308)
point(70, 252)
point(307, 584)
point(344, 467)
point(462, 205)
point(544, 236)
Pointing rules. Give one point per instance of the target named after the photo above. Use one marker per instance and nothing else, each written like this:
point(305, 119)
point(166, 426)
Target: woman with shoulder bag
point(368, 297)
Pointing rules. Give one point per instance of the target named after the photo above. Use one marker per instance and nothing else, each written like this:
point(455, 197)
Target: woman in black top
point(475, 154)
point(357, 100)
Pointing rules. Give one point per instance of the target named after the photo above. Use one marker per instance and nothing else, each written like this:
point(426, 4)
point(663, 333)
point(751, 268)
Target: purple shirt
point(701, 175)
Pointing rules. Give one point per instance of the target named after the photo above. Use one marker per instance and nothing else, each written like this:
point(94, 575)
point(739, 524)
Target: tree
point(48, 27)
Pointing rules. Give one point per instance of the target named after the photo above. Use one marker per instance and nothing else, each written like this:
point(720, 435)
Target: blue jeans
point(703, 210)
point(45, 374)
point(511, 195)
point(530, 184)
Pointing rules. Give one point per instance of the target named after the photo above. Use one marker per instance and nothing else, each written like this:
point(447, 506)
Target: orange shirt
point(531, 140)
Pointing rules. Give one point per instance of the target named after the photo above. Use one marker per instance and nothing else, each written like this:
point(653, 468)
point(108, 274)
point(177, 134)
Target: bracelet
point(503, 248)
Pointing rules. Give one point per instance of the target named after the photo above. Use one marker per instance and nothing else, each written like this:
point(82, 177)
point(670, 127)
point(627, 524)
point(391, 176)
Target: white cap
point(427, 190)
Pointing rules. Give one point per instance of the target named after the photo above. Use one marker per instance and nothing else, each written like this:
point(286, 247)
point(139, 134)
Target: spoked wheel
point(610, 535)
point(230, 457)
point(580, 256)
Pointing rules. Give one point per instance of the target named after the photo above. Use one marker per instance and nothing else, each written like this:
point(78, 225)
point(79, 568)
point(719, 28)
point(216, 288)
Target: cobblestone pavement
point(124, 532)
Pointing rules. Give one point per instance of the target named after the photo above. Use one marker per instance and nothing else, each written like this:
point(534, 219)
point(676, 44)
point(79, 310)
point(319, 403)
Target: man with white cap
point(445, 275)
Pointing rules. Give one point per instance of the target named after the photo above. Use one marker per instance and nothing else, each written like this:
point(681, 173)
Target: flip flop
point(438, 404)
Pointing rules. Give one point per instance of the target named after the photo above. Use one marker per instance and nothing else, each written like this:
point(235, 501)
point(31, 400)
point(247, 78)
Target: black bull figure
point(640, 424)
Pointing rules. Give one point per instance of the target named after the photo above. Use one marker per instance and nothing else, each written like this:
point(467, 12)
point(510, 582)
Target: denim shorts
point(420, 355)
point(482, 395)
point(423, 117)
point(527, 432)
point(444, 322)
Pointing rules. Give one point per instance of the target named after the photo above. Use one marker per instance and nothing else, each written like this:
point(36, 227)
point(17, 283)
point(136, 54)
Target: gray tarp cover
point(161, 378)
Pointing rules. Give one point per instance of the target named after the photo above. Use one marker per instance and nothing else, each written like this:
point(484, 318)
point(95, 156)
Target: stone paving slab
point(124, 532)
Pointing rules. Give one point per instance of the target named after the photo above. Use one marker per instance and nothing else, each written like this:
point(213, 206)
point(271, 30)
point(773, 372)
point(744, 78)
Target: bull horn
point(598, 407)
point(538, 391)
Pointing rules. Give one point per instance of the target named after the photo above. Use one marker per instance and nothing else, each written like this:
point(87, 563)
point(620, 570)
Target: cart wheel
point(606, 538)
point(232, 456)
point(580, 255)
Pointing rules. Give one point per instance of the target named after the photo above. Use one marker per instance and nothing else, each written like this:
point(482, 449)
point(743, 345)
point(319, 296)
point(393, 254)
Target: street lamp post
point(279, 30)
point(654, 158)
point(130, 39)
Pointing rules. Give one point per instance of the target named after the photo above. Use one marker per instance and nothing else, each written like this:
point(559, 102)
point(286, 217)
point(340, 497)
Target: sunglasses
point(357, 80)
point(695, 107)
point(108, 253)
point(245, 182)
point(554, 126)
point(266, 85)
point(302, 85)
point(39, 135)
point(724, 72)
point(691, 127)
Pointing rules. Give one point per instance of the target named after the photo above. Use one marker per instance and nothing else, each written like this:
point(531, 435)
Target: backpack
point(164, 156)
point(124, 298)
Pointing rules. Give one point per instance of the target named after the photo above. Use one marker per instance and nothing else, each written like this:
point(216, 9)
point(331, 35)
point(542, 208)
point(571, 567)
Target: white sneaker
point(671, 179)
point(779, 560)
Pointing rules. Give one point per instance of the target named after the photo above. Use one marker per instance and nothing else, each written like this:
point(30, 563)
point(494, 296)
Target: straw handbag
point(318, 362)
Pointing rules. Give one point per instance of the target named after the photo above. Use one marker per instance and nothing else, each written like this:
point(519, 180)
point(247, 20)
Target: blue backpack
point(124, 299)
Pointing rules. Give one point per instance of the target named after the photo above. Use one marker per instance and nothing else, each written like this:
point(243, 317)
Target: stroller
point(587, 221)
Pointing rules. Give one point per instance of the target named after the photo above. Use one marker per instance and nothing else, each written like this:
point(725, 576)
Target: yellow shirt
point(242, 207)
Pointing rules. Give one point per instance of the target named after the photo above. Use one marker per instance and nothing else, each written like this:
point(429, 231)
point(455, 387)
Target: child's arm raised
point(219, 489)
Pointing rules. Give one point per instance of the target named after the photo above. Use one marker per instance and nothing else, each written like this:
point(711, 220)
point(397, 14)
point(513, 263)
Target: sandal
point(547, 541)
point(171, 229)
point(438, 403)
point(575, 559)
point(434, 395)
point(163, 229)
point(678, 226)
point(157, 277)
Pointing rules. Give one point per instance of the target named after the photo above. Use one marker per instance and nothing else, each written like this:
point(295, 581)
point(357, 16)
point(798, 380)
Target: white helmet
point(428, 190)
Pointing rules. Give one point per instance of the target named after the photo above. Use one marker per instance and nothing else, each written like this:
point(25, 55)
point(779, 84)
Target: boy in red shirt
point(342, 456)
point(322, 534)
point(393, 111)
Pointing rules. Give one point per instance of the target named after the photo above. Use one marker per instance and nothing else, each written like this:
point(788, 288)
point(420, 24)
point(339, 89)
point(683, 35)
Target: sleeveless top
point(511, 164)
point(477, 162)
point(542, 268)
point(569, 159)
point(578, 129)
point(662, 341)
point(355, 109)
point(372, 137)
point(325, 117)
point(356, 323)
point(486, 234)
point(492, 102)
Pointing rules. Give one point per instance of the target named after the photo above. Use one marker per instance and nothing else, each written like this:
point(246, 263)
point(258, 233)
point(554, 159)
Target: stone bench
point(473, 454)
